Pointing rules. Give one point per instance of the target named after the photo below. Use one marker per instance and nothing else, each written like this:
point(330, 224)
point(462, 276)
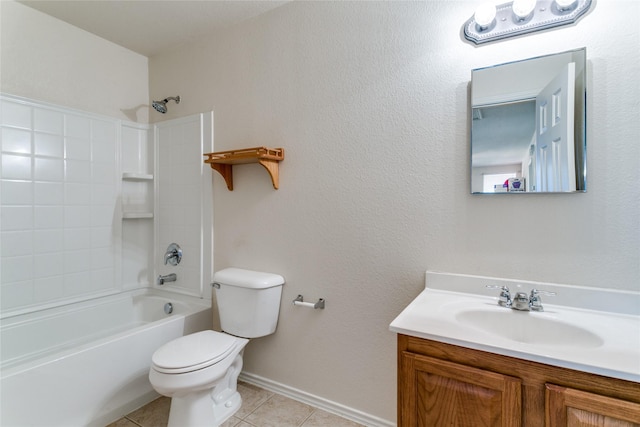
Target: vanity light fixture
point(490, 23)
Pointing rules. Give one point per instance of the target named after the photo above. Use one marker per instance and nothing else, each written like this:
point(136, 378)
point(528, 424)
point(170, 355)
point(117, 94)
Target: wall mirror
point(528, 125)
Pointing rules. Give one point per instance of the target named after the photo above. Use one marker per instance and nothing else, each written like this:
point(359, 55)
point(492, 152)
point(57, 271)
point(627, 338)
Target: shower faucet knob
point(173, 255)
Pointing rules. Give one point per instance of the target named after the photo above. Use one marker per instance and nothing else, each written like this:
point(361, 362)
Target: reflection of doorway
point(555, 164)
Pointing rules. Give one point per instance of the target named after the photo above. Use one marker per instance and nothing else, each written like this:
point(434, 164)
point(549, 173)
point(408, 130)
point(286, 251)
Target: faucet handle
point(535, 302)
point(504, 299)
point(173, 255)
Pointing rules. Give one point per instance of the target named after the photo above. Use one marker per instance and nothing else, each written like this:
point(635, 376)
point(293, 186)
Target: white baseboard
point(316, 401)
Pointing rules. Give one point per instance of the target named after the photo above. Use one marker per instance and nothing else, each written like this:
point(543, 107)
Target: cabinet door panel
point(567, 407)
point(441, 393)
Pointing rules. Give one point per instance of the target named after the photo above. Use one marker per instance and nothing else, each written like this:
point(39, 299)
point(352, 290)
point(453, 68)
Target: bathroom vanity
point(464, 360)
point(443, 384)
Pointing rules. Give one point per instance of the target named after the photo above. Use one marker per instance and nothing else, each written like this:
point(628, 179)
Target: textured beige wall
point(370, 101)
point(49, 60)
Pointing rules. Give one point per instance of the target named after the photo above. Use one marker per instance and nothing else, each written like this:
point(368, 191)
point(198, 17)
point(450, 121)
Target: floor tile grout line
point(256, 408)
point(133, 421)
point(313, 411)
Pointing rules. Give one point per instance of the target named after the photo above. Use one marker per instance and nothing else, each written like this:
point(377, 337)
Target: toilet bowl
point(200, 371)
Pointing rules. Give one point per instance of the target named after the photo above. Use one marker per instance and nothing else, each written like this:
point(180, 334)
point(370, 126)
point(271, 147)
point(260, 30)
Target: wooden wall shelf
point(223, 162)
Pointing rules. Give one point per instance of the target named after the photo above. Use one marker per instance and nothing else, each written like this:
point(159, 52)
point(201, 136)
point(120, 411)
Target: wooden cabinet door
point(566, 407)
point(434, 393)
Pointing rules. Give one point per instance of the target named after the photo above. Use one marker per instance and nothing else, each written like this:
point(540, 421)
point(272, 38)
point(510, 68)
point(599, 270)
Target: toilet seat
point(193, 352)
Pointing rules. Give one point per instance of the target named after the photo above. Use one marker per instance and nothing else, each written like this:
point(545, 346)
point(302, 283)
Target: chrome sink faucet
point(521, 301)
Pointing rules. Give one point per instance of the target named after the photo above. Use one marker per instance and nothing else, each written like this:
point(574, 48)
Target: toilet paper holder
point(300, 302)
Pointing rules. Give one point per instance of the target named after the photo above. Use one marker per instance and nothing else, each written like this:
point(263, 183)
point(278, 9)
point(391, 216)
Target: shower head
point(161, 106)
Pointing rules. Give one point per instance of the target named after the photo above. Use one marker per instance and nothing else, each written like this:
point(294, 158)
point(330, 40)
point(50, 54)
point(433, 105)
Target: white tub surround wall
point(184, 202)
point(80, 201)
point(60, 224)
point(370, 101)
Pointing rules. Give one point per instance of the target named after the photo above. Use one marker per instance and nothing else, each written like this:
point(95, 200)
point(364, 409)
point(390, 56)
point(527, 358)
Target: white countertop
point(603, 339)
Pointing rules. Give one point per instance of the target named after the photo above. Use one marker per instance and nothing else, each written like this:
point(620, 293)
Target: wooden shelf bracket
point(269, 158)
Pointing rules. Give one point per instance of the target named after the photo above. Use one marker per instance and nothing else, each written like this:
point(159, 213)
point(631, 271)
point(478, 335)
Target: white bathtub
point(87, 364)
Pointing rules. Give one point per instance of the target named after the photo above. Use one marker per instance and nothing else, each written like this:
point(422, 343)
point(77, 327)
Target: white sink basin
point(529, 327)
point(591, 330)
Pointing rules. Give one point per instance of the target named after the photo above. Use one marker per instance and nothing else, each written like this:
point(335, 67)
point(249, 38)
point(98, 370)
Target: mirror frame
point(488, 98)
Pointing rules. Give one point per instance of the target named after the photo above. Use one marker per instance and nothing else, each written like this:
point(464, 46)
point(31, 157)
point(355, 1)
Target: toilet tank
point(248, 301)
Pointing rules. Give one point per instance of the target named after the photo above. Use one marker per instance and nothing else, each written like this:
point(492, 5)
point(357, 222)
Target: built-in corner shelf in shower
point(136, 203)
point(137, 215)
point(132, 176)
point(269, 158)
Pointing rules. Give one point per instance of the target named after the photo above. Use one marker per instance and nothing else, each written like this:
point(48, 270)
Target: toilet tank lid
point(247, 278)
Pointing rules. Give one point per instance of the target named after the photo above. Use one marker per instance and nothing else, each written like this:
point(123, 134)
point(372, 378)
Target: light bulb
point(565, 4)
point(523, 8)
point(485, 14)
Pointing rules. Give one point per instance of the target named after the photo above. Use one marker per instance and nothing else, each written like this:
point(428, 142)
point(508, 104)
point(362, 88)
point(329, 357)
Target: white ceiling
point(149, 27)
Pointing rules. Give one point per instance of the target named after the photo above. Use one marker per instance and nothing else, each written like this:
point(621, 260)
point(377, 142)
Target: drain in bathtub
point(168, 308)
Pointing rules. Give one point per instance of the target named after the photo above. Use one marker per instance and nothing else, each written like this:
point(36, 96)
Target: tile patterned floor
point(260, 408)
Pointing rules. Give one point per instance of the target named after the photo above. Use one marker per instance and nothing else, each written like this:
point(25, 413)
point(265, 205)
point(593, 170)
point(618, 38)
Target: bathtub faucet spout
point(168, 278)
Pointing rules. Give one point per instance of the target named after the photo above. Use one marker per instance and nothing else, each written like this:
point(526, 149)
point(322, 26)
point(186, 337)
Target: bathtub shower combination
point(86, 364)
point(80, 311)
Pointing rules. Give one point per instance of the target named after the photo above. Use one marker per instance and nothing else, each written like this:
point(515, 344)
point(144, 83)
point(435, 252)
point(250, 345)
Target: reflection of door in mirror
point(554, 133)
point(530, 174)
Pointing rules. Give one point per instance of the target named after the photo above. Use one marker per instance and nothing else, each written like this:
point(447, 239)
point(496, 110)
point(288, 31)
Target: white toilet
point(200, 371)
